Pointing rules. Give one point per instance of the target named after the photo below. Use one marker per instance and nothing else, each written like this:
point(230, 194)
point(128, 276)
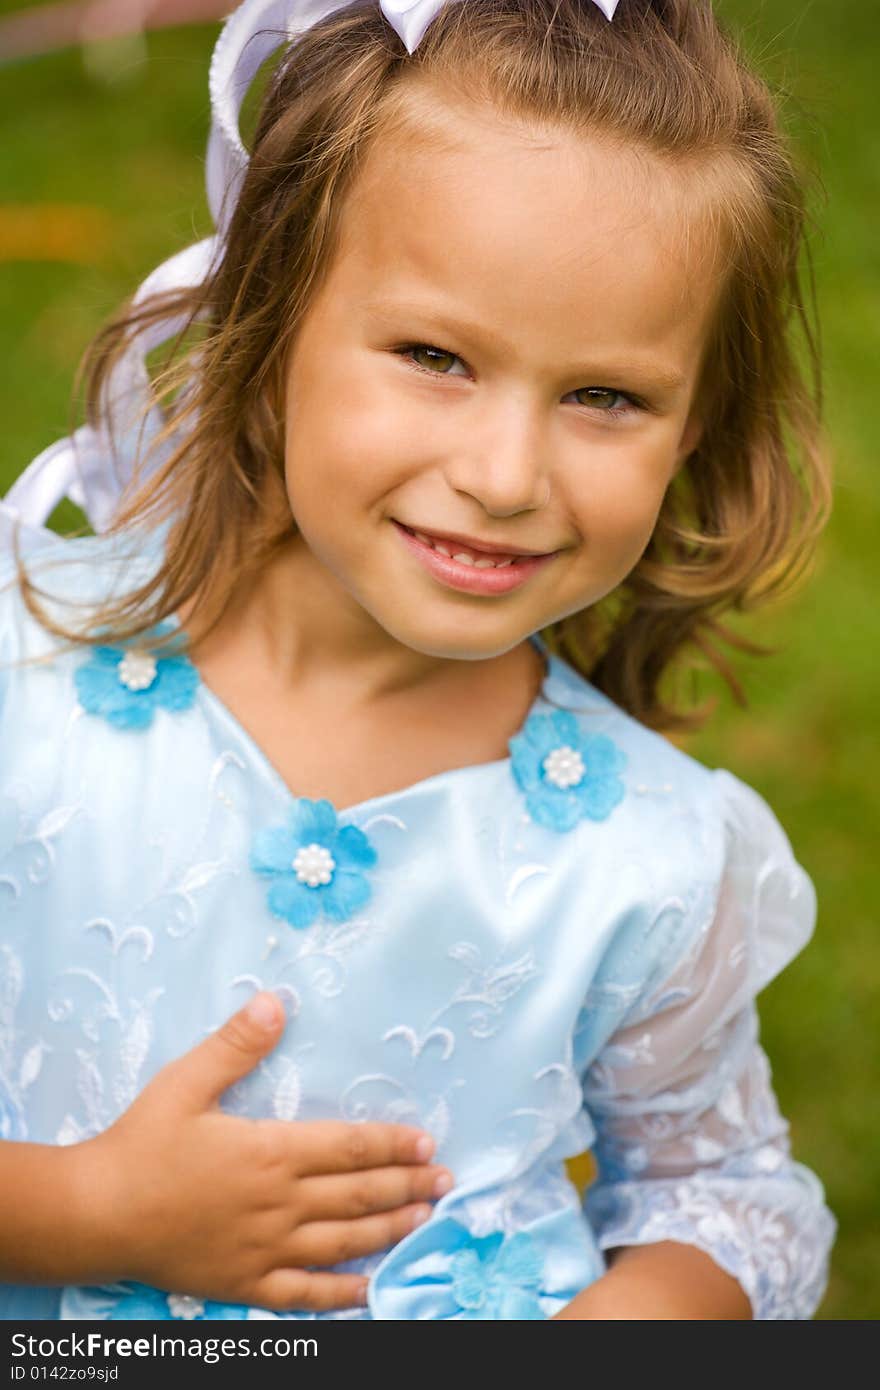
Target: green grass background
point(123, 130)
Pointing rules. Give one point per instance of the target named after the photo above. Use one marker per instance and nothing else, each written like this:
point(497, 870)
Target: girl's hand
point(192, 1200)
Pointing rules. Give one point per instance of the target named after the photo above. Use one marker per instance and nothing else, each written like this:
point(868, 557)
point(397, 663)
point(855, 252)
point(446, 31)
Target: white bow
point(87, 467)
point(249, 36)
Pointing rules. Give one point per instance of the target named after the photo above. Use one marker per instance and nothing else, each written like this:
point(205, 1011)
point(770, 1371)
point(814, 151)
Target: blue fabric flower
point(565, 773)
point(442, 1270)
point(144, 1304)
point(128, 684)
point(314, 865)
point(497, 1277)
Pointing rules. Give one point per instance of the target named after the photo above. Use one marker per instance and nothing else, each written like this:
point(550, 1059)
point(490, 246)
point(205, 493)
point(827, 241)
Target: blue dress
point(530, 957)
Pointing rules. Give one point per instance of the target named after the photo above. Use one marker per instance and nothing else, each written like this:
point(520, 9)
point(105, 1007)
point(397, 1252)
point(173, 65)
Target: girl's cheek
point(619, 496)
point(614, 538)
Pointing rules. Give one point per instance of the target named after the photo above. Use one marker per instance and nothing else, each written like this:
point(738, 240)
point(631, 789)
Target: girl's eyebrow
point(649, 374)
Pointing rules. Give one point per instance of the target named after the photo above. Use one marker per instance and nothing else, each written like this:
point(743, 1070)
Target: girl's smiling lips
point(474, 569)
point(454, 543)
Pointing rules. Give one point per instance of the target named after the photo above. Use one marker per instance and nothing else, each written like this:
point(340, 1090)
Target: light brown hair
point(740, 520)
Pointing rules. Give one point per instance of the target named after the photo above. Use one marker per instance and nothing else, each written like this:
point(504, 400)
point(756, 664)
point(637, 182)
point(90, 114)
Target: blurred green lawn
point(132, 149)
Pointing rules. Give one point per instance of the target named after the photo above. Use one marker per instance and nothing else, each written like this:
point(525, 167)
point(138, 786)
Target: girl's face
point(502, 358)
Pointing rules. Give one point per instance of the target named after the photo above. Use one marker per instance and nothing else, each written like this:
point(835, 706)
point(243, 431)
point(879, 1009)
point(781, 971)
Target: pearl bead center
point(564, 767)
point(137, 670)
point(314, 865)
point(183, 1305)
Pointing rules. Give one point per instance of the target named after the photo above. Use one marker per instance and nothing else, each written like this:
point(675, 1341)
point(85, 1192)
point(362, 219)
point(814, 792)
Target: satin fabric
point(473, 994)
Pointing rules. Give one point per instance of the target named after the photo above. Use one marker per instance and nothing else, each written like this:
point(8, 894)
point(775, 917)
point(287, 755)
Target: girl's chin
point(462, 638)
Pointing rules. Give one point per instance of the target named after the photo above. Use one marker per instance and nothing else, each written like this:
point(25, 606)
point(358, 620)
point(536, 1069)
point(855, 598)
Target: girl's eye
point(437, 361)
point(429, 359)
point(604, 398)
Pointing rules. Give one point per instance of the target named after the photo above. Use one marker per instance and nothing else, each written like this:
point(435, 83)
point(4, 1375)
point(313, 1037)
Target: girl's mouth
point(468, 569)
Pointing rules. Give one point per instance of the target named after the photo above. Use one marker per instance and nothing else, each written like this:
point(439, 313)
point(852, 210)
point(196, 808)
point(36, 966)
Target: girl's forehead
point(530, 226)
point(468, 156)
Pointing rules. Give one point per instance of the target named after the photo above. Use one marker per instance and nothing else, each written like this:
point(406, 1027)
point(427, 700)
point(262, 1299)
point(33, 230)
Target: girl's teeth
point(483, 563)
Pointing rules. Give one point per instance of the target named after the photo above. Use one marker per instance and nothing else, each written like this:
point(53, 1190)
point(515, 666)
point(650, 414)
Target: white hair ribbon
point(93, 467)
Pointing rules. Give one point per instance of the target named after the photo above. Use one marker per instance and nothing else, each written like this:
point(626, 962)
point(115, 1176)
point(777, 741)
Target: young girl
point(497, 338)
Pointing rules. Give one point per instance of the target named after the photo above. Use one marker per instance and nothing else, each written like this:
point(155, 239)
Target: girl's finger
point(200, 1076)
point(332, 1242)
point(352, 1195)
point(332, 1146)
point(288, 1290)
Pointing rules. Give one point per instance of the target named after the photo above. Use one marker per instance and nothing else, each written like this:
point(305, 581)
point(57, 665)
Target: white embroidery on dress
point(489, 987)
point(288, 1093)
point(519, 1202)
point(485, 991)
point(438, 1120)
point(118, 939)
point(325, 946)
point(521, 876)
point(400, 1105)
point(31, 1065)
point(532, 1129)
point(18, 1071)
point(90, 1085)
point(384, 819)
point(639, 1050)
point(378, 1096)
point(137, 1039)
point(173, 901)
point(286, 992)
point(730, 1107)
point(11, 980)
point(103, 1094)
point(225, 760)
point(41, 839)
point(417, 1045)
point(69, 1132)
point(32, 850)
point(180, 897)
point(61, 1009)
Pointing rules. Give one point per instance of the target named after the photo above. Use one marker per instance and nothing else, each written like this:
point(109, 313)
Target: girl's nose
point(504, 465)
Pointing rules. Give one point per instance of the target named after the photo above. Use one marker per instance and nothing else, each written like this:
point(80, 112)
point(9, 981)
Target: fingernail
point(420, 1216)
point(363, 1294)
point(263, 1011)
point(442, 1185)
point(424, 1147)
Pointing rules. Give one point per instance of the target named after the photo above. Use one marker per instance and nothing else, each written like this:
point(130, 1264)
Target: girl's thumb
point(237, 1046)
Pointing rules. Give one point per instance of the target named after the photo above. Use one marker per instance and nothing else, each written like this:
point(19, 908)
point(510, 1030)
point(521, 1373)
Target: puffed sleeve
point(691, 1146)
point(29, 541)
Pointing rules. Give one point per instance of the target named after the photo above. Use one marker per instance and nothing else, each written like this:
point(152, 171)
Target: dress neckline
point(212, 701)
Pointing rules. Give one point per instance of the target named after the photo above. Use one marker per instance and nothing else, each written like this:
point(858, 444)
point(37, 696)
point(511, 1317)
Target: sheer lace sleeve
point(690, 1144)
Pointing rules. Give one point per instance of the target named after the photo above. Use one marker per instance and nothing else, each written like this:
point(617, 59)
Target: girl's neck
point(344, 712)
point(304, 631)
